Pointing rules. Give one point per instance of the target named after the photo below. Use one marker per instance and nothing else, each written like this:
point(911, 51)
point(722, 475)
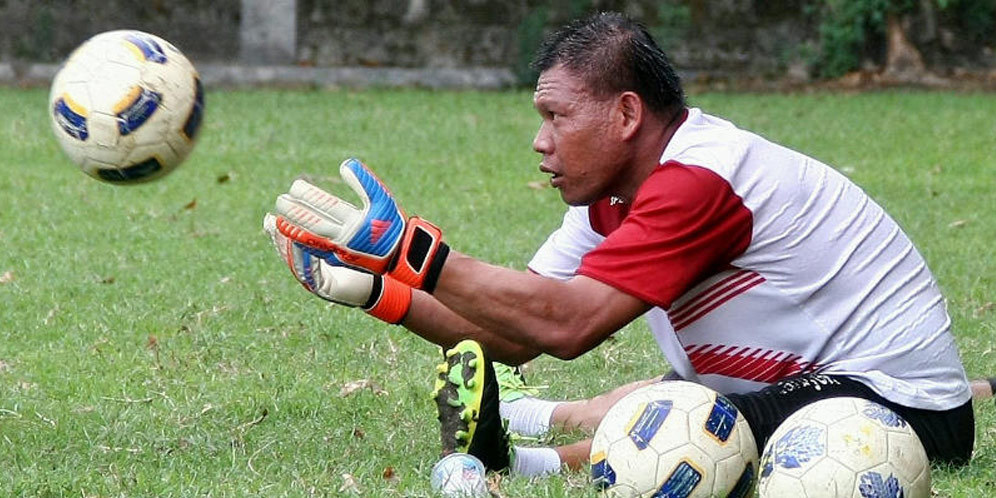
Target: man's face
point(574, 138)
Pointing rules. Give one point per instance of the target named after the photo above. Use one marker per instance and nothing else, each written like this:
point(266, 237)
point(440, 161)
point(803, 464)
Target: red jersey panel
point(685, 223)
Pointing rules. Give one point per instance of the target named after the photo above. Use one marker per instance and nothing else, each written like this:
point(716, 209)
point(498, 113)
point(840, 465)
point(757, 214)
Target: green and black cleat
point(466, 395)
point(512, 384)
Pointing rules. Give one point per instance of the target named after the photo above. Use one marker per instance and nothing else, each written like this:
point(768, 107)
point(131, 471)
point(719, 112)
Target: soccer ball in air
point(126, 106)
point(674, 438)
point(841, 447)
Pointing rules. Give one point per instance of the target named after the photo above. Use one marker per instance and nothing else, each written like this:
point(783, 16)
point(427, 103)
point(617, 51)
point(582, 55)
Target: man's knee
point(586, 414)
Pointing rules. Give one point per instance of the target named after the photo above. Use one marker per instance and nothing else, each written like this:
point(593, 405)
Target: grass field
point(151, 344)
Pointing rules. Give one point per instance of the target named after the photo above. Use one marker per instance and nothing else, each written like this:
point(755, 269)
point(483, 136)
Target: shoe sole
point(460, 372)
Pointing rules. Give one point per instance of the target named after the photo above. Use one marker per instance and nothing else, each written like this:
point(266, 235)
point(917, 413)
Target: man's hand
point(377, 237)
point(382, 297)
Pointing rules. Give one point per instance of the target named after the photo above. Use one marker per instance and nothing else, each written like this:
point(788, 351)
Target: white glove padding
point(387, 300)
point(333, 283)
point(377, 237)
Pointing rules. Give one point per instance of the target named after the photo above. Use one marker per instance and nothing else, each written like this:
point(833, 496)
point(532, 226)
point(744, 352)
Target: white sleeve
point(560, 256)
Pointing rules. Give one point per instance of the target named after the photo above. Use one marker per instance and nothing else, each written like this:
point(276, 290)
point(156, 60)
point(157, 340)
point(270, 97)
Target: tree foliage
point(855, 30)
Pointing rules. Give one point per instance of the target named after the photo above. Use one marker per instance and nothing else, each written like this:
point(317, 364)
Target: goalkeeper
point(763, 273)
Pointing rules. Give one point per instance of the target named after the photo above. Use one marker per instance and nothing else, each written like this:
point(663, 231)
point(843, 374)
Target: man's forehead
point(559, 82)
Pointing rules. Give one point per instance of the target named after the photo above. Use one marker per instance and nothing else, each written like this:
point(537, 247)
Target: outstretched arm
point(562, 318)
point(523, 314)
point(436, 323)
point(387, 299)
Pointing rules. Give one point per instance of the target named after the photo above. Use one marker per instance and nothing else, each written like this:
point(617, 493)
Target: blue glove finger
point(384, 223)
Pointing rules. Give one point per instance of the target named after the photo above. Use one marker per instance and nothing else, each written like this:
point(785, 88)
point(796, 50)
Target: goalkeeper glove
point(380, 296)
point(377, 237)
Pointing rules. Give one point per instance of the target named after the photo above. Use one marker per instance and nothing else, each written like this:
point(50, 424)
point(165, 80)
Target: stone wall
point(768, 38)
point(431, 33)
point(47, 30)
point(718, 35)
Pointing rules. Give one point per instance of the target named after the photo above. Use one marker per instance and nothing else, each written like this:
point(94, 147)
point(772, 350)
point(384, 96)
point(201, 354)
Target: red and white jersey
point(763, 263)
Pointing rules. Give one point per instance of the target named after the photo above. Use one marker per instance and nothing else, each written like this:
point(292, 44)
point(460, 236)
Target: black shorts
point(948, 436)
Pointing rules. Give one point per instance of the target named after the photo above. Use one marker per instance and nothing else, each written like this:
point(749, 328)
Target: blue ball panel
point(649, 422)
point(150, 48)
point(71, 122)
point(680, 483)
point(138, 111)
point(722, 419)
point(193, 122)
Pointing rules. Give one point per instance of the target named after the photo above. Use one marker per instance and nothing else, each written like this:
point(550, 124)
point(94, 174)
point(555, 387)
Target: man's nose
point(542, 142)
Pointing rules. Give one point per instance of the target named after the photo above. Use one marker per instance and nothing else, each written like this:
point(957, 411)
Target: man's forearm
point(560, 318)
point(436, 323)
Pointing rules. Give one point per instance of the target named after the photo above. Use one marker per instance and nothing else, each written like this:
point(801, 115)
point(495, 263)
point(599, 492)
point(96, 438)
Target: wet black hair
point(613, 53)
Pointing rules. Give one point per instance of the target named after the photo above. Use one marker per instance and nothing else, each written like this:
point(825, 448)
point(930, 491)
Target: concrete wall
point(268, 32)
point(715, 35)
point(402, 39)
point(47, 30)
point(724, 35)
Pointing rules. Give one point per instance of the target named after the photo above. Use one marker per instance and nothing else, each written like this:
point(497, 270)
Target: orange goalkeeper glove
point(377, 237)
point(380, 296)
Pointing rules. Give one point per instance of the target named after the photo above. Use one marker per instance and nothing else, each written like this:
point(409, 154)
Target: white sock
point(528, 416)
point(532, 462)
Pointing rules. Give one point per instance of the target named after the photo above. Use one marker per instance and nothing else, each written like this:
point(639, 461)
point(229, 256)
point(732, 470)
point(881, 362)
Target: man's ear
point(630, 109)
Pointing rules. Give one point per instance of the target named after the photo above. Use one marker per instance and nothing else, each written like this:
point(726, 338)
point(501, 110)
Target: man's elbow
point(568, 344)
point(566, 353)
point(516, 357)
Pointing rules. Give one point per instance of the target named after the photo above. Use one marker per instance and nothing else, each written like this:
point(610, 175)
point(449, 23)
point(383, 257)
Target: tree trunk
point(903, 61)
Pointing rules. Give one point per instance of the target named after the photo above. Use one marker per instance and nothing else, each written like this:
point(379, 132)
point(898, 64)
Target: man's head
point(612, 53)
point(606, 93)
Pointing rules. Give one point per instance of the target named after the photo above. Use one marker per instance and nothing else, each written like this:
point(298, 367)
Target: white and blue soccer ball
point(460, 475)
point(844, 447)
point(674, 439)
point(126, 106)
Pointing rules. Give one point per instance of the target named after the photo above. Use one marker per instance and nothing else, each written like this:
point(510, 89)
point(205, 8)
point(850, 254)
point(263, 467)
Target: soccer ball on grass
point(126, 106)
point(674, 438)
point(844, 447)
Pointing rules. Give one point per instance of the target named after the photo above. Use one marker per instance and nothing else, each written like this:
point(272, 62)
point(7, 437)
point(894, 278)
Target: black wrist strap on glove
point(435, 268)
point(420, 257)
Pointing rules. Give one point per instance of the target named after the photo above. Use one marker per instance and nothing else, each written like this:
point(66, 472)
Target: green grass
point(151, 343)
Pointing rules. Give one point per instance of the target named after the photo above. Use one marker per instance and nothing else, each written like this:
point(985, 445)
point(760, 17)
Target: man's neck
point(650, 147)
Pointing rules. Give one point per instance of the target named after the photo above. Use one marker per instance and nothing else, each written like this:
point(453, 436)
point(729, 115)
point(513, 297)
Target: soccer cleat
point(466, 395)
point(512, 384)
